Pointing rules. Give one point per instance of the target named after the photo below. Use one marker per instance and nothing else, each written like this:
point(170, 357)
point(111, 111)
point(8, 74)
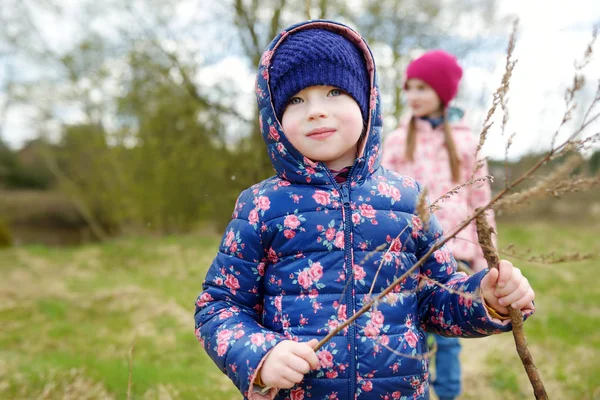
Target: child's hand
point(507, 287)
point(287, 364)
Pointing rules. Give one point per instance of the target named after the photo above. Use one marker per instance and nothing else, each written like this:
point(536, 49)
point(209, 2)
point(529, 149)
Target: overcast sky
point(553, 34)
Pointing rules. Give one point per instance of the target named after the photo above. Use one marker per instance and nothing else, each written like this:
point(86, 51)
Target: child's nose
point(316, 109)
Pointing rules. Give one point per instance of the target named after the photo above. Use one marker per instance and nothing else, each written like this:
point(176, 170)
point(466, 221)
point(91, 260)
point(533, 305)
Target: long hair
point(411, 144)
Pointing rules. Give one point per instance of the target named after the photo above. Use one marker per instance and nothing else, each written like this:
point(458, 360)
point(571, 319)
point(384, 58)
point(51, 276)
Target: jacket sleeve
point(393, 150)
point(480, 195)
point(228, 311)
point(450, 302)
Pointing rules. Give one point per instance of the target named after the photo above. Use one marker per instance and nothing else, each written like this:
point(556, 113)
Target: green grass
point(563, 335)
point(70, 315)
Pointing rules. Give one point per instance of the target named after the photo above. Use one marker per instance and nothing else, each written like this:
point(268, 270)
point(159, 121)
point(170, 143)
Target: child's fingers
point(283, 383)
point(298, 364)
point(505, 270)
point(526, 301)
point(517, 294)
point(488, 283)
point(306, 352)
point(291, 375)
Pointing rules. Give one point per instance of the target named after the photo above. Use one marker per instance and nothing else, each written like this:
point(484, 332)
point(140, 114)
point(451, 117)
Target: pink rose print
point(224, 335)
point(373, 102)
point(291, 221)
point(359, 272)
point(456, 330)
point(304, 279)
point(395, 193)
point(280, 148)
point(325, 358)
point(221, 349)
point(289, 234)
point(278, 303)
point(273, 134)
point(367, 386)
point(330, 234)
point(355, 218)
point(416, 223)
point(342, 316)
point(321, 197)
point(232, 283)
point(395, 245)
point(225, 314)
point(371, 163)
point(333, 324)
point(408, 182)
point(253, 217)
point(205, 297)
point(383, 188)
point(297, 394)
point(331, 375)
point(238, 334)
point(367, 210)
point(229, 238)
point(384, 339)
point(263, 203)
point(266, 58)
point(411, 338)
point(439, 257)
point(371, 331)
point(339, 240)
point(257, 339)
point(377, 318)
point(316, 271)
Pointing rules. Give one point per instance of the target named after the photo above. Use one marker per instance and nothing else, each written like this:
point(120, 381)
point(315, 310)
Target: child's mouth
point(321, 133)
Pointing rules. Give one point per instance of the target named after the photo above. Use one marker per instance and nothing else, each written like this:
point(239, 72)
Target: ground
point(72, 318)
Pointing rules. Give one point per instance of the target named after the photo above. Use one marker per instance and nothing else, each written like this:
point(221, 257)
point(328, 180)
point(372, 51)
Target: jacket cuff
point(257, 390)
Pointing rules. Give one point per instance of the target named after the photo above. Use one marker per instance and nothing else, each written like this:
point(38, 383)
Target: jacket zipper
point(344, 189)
point(350, 286)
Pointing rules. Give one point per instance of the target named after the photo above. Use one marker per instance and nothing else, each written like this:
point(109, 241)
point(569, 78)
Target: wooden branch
point(484, 234)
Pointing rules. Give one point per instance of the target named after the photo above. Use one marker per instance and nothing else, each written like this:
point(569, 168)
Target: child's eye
point(295, 100)
point(336, 92)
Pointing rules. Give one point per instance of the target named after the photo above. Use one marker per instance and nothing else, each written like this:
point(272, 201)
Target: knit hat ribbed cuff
point(319, 73)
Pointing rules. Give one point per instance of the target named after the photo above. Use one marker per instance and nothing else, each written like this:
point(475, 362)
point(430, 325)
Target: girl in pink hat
point(435, 146)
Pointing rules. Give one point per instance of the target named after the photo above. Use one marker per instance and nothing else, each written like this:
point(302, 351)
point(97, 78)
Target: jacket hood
point(288, 162)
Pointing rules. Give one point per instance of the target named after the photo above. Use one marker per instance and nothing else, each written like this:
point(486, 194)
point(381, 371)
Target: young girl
point(302, 250)
point(436, 147)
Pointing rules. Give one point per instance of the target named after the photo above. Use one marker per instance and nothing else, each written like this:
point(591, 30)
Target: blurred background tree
point(159, 144)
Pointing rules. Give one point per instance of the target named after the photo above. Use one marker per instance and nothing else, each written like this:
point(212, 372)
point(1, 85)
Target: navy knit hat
point(318, 57)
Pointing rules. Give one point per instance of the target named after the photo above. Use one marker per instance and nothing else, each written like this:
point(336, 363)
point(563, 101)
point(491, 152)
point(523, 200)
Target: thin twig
point(484, 234)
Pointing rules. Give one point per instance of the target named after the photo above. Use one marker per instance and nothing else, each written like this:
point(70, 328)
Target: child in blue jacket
point(303, 249)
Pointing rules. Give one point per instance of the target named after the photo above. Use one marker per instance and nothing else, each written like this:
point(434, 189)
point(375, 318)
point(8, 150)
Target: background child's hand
point(288, 362)
point(507, 287)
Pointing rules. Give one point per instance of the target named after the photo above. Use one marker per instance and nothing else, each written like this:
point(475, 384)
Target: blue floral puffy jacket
point(302, 253)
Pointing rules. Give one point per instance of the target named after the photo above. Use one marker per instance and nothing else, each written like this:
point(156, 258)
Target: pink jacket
point(432, 169)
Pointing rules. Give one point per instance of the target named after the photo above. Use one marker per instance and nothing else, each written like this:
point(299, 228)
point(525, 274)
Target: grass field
point(69, 317)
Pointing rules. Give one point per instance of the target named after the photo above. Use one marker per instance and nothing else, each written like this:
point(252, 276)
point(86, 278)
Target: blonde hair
point(411, 144)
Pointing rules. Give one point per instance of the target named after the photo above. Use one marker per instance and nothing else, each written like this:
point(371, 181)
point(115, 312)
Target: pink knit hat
point(438, 69)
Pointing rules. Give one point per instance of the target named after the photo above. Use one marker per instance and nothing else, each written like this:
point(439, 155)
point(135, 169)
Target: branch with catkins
point(484, 234)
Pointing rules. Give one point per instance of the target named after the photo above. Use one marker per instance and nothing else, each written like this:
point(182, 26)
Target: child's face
point(324, 124)
point(422, 99)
